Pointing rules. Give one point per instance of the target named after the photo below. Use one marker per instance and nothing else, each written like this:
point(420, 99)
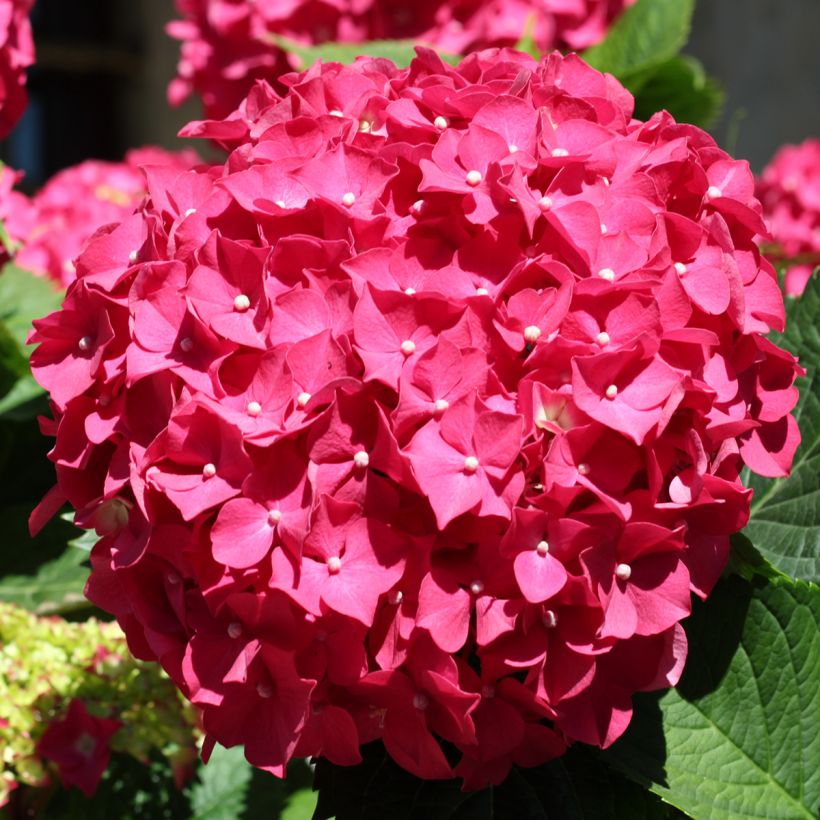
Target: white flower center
point(361, 459)
point(408, 347)
point(623, 572)
point(470, 464)
point(349, 199)
point(209, 470)
point(334, 564)
point(241, 303)
point(543, 548)
point(474, 178)
point(254, 408)
point(531, 333)
point(606, 273)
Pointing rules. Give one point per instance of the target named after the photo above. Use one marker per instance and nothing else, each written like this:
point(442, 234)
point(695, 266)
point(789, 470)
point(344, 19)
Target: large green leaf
point(221, 787)
point(25, 400)
point(401, 52)
point(579, 786)
point(229, 788)
point(300, 805)
point(682, 87)
point(13, 364)
point(56, 587)
point(647, 34)
point(23, 298)
point(785, 522)
point(738, 738)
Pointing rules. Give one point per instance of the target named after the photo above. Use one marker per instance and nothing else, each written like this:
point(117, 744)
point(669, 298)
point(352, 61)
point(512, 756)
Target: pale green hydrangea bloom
point(47, 662)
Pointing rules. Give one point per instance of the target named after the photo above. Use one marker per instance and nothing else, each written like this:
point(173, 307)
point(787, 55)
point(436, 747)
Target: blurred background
point(99, 84)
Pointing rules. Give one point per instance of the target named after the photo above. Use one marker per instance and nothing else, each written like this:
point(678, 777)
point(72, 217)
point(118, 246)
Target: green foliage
point(23, 298)
point(647, 34)
point(680, 86)
point(129, 790)
point(579, 786)
point(45, 663)
point(300, 805)
point(738, 738)
point(401, 52)
point(221, 788)
point(229, 788)
point(785, 522)
point(641, 50)
point(56, 587)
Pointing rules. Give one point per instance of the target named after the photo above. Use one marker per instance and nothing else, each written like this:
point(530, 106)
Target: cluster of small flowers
point(51, 673)
point(421, 417)
point(52, 227)
point(16, 55)
point(789, 189)
point(228, 44)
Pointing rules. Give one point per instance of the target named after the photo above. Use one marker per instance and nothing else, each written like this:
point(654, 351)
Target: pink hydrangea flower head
point(79, 745)
point(228, 44)
point(16, 55)
point(361, 403)
point(789, 189)
point(54, 224)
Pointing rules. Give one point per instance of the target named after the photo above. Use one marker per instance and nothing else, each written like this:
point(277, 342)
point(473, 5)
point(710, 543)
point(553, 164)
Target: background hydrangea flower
point(789, 189)
point(70, 694)
point(228, 44)
point(16, 55)
point(54, 224)
point(470, 405)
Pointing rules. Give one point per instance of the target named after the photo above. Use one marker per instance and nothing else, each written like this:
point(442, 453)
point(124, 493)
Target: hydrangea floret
point(789, 189)
point(228, 44)
point(71, 693)
point(422, 416)
point(51, 227)
point(16, 55)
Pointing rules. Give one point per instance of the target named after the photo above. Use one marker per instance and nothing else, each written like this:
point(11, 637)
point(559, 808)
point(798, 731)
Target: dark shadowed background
point(103, 65)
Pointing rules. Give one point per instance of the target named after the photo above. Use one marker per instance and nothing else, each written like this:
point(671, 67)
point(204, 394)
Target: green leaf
point(23, 298)
point(401, 52)
point(785, 522)
point(748, 563)
point(26, 400)
point(646, 34)
point(682, 87)
point(221, 787)
point(738, 738)
point(12, 362)
point(300, 805)
point(56, 588)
